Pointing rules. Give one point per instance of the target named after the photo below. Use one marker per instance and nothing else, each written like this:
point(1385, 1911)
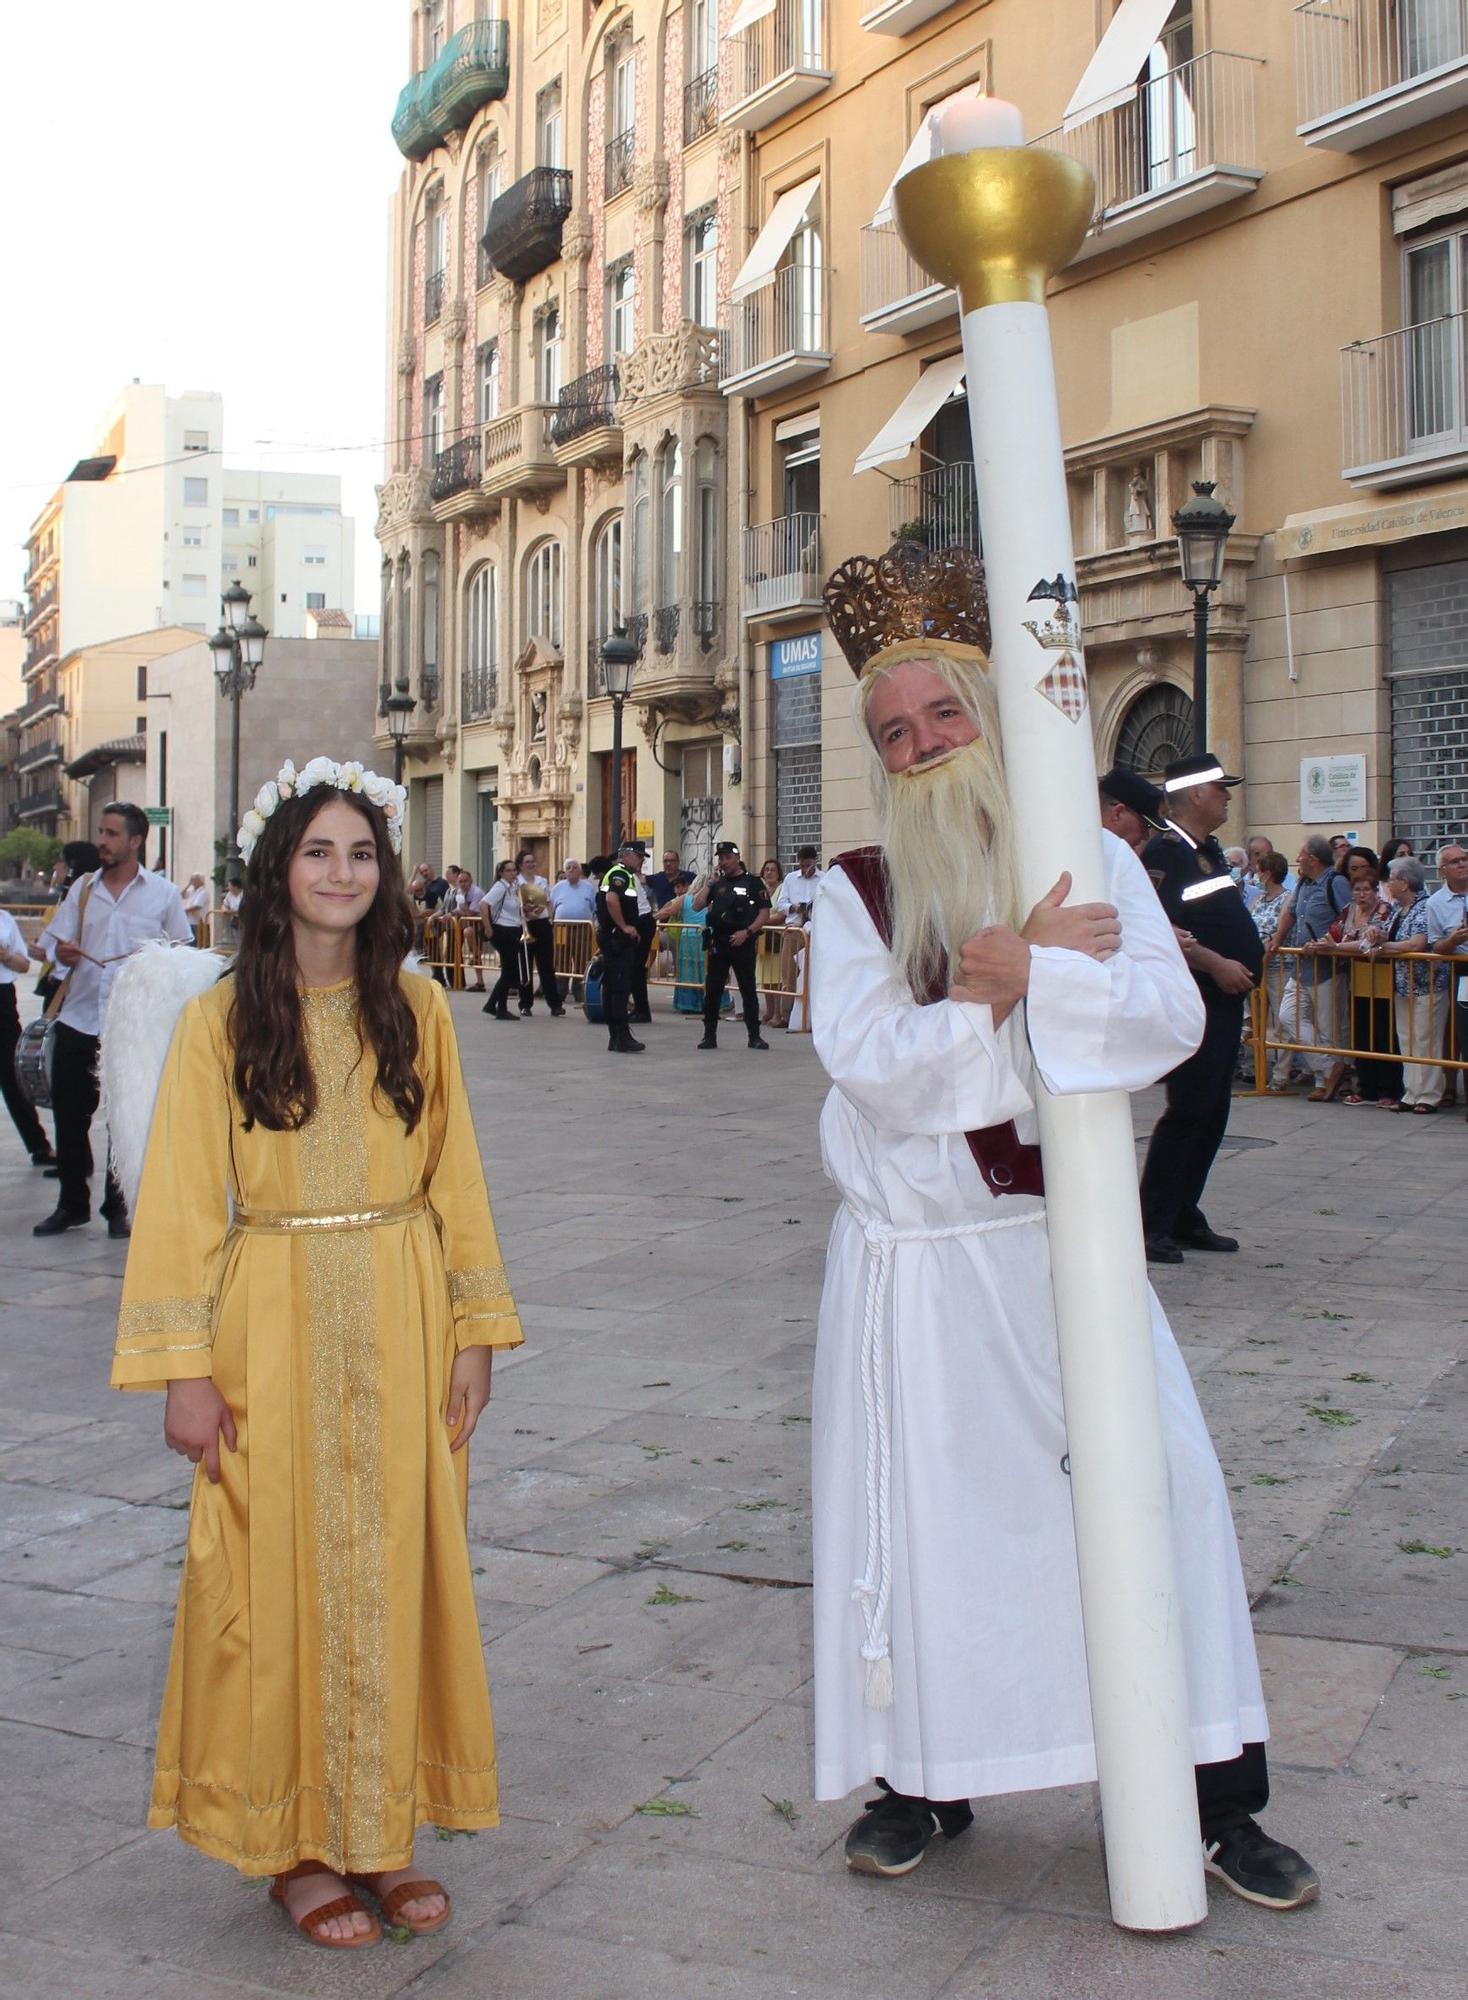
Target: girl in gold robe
point(315, 1279)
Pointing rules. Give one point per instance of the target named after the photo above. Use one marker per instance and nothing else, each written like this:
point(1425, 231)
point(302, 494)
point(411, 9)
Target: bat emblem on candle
point(1064, 682)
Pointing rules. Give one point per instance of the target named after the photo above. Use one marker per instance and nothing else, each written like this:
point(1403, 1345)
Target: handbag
point(36, 1048)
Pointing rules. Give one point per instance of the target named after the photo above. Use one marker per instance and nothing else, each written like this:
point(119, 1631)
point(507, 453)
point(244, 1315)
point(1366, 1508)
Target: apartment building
point(660, 348)
point(140, 536)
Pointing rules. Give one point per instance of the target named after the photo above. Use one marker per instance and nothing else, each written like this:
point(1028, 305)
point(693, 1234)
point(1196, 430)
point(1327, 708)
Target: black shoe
point(626, 1045)
point(46, 1159)
point(709, 1042)
point(557, 1012)
point(59, 1220)
point(1162, 1250)
point(1208, 1239)
point(1259, 1869)
point(758, 1042)
point(495, 1014)
point(118, 1226)
point(892, 1835)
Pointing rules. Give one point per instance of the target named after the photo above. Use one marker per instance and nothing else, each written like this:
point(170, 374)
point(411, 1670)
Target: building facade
point(660, 348)
point(140, 537)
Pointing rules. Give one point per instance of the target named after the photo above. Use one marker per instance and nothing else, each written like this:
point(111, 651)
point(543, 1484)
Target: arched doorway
point(1156, 730)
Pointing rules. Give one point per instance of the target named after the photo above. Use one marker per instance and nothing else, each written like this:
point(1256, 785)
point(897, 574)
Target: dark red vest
point(1008, 1167)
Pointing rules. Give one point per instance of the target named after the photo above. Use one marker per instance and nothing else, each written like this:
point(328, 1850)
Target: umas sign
point(789, 657)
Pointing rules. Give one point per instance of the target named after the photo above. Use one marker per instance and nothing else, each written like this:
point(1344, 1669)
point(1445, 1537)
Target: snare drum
point(33, 1062)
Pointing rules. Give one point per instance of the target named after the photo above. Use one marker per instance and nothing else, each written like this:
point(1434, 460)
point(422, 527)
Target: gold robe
point(326, 1690)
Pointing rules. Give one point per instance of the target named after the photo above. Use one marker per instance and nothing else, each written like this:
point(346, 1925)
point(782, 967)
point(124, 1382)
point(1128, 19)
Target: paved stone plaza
point(640, 1537)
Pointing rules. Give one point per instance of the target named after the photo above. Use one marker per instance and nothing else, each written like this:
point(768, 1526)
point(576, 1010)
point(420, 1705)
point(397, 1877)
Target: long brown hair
point(272, 1071)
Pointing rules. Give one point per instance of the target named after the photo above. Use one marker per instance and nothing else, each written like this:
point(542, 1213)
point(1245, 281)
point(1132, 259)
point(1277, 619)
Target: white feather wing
point(148, 994)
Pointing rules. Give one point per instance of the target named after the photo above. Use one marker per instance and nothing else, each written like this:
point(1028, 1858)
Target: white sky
point(196, 194)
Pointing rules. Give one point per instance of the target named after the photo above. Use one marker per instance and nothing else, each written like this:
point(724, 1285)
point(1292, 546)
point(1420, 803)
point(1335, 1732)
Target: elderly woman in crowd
point(1272, 911)
point(1420, 998)
point(1362, 929)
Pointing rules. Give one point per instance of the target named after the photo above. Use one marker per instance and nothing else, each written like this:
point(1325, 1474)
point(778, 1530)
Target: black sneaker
point(758, 1042)
point(708, 1042)
point(61, 1219)
point(892, 1835)
point(1259, 1869)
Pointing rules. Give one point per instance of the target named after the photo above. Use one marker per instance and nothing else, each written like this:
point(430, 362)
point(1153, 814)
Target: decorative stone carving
point(402, 502)
point(668, 364)
point(1139, 507)
point(506, 292)
point(651, 185)
point(407, 354)
point(731, 144)
point(454, 140)
point(454, 324)
point(577, 237)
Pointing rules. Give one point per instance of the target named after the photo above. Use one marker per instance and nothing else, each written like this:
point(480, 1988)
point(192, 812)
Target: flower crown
point(349, 777)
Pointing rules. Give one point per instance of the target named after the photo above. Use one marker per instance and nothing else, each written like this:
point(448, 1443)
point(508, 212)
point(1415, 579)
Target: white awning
point(746, 14)
point(913, 414)
point(1121, 54)
point(773, 241)
point(924, 145)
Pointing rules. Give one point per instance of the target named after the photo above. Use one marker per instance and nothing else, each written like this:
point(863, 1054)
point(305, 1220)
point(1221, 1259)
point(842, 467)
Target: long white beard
point(949, 839)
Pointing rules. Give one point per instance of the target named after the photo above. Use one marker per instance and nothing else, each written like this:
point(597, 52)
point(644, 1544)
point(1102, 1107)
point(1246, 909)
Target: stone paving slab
point(639, 1523)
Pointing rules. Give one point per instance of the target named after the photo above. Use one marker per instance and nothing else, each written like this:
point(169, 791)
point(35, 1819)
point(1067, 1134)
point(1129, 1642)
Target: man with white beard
point(949, 1653)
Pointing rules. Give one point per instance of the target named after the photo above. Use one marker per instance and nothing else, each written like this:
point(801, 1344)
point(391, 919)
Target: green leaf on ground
point(784, 1807)
point(456, 1833)
point(1415, 1548)
point(732, 1547)
point(1326, 1415)
point(759, 1506)
point(662, 1595)
point(1359, 1375)
point(1436, 1673)
point(666, 1809)
point(1272, 1478)
point(398, 1934)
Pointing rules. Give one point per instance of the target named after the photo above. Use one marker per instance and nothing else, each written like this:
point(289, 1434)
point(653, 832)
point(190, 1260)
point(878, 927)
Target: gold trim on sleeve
point(480, 1281)
point(151, 1322)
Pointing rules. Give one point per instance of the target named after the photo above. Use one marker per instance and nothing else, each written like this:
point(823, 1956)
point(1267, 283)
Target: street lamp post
point(618, 658)
point(397, 707)
point(239, 651)
point(1202, 527)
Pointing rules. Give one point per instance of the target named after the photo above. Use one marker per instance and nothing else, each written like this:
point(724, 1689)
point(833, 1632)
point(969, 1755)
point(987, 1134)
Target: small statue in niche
point(1138, 517)
point(537, 716)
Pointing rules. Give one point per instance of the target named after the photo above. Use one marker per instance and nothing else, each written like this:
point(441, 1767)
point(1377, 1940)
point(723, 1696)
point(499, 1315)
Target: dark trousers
point(22, 1111)
point(647, 930)
point(75, 1095)
point(1377, 1075)
point(722, 959)
point(506, 941)
point(618, 958)
point(1228, 1793)
point(1189, 1132)
point(543, 961)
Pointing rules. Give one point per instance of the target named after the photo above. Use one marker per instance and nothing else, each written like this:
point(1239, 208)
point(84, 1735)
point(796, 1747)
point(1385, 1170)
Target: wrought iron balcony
point(39, 706)
point(621, 151)
point(1367, 69)
point(586, 429)
point(1404, 407)
point(523, 232)
point(782, 567)
point(473, 70)
point(39, 804)
point(516, 452)
point(1182, 143)
point(433, 287)
point(779, 61)
point(940, 507)
point(700, 105)
point(41, 604)
point(36, 755)
point(479, 693)
point(704, 621)
point(455, 470)
point(781, 333)
point(897, 295)
point(665, 628)
point(636, 628)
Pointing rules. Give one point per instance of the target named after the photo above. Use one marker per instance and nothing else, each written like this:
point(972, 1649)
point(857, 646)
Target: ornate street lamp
point(398, 707)
point(1202, 527)
point(618, 658)
point(238, 648)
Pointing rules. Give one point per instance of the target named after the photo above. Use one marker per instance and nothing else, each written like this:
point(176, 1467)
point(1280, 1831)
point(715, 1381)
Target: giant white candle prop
point(996, 219)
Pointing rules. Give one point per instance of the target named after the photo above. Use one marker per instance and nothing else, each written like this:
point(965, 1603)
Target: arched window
point(482, 647)
point(706, 556)
point(429, 677)
point(403, 664)
point(641, 537)
point(1156, 730)
point(670, 522)
point(385, 628)
point(606, 579)
point(543, 594)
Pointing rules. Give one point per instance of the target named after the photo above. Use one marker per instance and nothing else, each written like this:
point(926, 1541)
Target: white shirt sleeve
point(905, 1068)
point(176, 923)
point(1122, 1023)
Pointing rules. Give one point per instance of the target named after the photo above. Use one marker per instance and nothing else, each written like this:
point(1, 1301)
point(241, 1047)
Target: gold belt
point(291, 1219)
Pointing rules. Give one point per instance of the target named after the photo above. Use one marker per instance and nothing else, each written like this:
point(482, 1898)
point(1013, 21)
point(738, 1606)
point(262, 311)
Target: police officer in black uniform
point(738, 904)
point(619, 941)
point(1226, 957)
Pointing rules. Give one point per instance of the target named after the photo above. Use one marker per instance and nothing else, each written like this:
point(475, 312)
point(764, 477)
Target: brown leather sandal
point(391, 1901)
point(339, 1906)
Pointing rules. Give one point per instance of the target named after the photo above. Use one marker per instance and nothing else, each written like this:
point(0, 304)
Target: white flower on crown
point(267, 799)
point(285, 779)
point(349, 776)
point(391, 799)
point(320, 771)
point(379, 790)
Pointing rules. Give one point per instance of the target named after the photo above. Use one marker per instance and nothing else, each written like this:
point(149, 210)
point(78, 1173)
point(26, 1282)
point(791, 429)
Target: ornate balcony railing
point(700, 105)
point(517, 455)
point(587, 404)
point(685, 358)
point(940, 507)
point(665, 623)
point(433, 289)
point(473, 70)
point(1403, 401)
point(704, 621)
point(621, 151)
point(479, 693)
point(1348, 52)
point(523, 232)
point(636, 626)
point(782, 565)
point(455, 470)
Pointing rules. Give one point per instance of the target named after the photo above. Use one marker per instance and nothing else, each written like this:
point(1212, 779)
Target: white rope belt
point(873, 1591)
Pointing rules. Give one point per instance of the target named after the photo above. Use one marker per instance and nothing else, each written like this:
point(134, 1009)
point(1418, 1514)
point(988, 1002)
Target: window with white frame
point(193, 538)
point(196, 493)
point(548, 354)
point(405, 617)
point(482, 642)
point(543, 593)
point(315, 600)
point(702, 280)
point(606, 579)
point(706, 554)
point(230, 565)
point(641, 535)
point(703, 37)
point(433, 415)
point(436, 254)
point(621, 307)
point(491, 186)
point(429, 576)
point(670, 521)
point(489, 381)
point(624, 89)
point(1168, 126)
point(1434, 300)
point(548, 140)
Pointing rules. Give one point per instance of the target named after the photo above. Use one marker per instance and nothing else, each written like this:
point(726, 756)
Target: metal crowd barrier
point(1354, 1010)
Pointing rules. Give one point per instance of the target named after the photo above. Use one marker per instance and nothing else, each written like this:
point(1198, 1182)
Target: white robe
point(981, 1605)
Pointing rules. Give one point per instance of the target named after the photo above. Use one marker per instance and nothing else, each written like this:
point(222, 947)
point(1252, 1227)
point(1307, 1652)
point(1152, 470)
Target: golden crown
point(911, 592)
